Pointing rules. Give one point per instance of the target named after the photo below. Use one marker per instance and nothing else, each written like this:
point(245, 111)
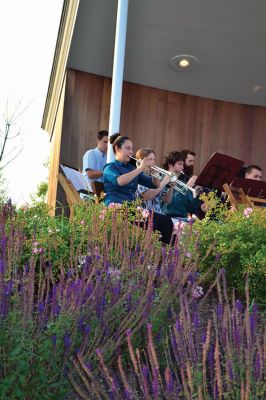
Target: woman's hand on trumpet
point(165, 181)
point(145, 164)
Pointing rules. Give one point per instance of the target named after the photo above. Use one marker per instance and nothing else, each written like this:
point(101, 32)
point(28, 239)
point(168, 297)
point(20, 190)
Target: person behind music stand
point(253, 172)
point(188, 156)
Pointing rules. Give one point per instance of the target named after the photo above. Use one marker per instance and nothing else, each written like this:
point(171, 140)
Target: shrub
point(237, 237)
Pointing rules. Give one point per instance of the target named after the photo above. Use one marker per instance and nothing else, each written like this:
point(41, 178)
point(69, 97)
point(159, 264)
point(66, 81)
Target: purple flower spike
point(169, 381)
point(144, 371)
point(87, 329)
point(80, 324)
point(89, 365)
point(239, 306)
point(178, 326)
point(53, 339)
point(257, 367)
point(88, 261)
point(57, 310)
point(220, 311)
point(3, 243)
point(2, 266)
point(40, 307)
point(196, 320)
point(67, 340)
point(8, 287)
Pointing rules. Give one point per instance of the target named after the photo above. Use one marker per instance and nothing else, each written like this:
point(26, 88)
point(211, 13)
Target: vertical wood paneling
point(105, 107)
point(83, 115)
point(162, 120)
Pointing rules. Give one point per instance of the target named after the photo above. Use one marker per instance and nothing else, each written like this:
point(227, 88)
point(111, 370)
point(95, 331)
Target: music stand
point(219, 170)
point(77, 179)
point(251, 187)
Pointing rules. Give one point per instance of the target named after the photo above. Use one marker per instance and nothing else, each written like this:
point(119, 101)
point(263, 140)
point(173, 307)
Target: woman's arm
point(124, 179)
point(151, 193)
point(167, 198)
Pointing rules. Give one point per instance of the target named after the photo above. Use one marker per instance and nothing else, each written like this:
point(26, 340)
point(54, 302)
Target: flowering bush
point(73, 313)
point(49, 317)
point(36, 232)
point(237, 239)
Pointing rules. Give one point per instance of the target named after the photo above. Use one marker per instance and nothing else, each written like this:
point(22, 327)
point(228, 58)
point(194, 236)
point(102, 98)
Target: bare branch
point(8, 162)
point(12, 151)
point(10, 119)
point(16, 135)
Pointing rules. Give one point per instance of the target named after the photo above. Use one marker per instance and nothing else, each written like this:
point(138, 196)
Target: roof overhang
point(228, 38)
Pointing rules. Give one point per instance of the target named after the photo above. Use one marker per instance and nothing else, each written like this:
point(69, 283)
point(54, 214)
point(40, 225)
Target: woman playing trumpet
point(152, 198)
point(121, 179)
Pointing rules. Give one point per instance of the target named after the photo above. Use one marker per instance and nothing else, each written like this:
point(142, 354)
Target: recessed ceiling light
point(183, 62)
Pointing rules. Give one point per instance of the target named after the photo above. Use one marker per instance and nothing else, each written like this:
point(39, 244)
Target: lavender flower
point(67, 340)
point(53, 339)
point(86, 329)
point(40, 307)
point(219, 311)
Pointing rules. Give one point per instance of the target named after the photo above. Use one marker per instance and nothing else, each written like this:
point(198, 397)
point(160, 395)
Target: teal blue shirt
point(116, 193)
point(181, 205)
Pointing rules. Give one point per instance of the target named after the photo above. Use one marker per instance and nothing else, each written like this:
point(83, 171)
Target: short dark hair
point(185, 153)
point(101, 134)
point(117, 140)
point(172, 158)
point(251, 167)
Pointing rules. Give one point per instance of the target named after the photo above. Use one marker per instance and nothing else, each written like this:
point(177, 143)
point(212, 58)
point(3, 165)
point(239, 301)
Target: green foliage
point(57, 240)
point(42, 190)
point(32, 365)
point(237, 237)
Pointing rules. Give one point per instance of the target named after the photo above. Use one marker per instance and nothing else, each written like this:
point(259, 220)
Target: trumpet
point(160, 173)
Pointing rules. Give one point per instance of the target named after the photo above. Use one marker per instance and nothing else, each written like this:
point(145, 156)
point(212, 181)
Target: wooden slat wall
point(162, 120)
point(168, 121)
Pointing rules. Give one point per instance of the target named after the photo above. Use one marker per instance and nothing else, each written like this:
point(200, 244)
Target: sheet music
point(77, 179)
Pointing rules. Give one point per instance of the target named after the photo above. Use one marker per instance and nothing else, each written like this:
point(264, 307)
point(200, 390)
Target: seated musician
point(177, 204)
point(121, 179)
point(253, 172)
point(188, 156)
point(93, 162)
point(152, 198)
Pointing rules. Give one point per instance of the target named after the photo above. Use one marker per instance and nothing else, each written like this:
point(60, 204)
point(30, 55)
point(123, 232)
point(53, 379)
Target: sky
point(28, 33)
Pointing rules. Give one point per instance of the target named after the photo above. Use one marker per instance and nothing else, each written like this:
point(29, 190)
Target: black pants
point(163, 224)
